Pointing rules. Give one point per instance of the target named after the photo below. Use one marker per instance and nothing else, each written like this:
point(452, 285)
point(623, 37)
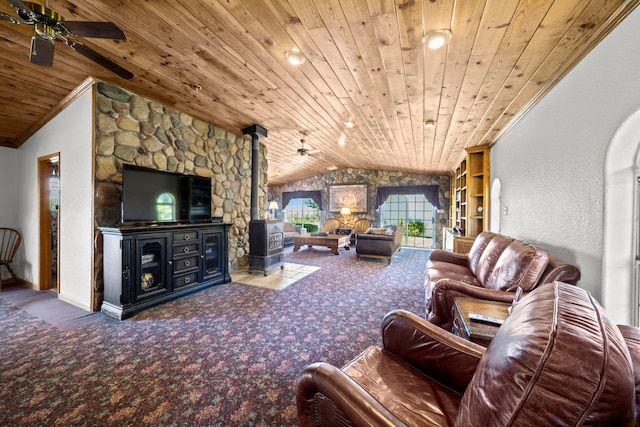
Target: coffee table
point(331, 241)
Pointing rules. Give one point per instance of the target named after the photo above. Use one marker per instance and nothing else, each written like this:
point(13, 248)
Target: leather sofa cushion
point(446, 270)
point(489, 257)
point(403, 390)
point(380, 230)
point(520, 265)
point(478, 248)
point(561, 349)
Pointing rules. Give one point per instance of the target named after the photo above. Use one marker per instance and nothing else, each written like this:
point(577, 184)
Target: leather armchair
point(557, 360)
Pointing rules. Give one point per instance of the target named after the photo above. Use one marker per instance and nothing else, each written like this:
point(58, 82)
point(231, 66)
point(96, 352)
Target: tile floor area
point(277, 279)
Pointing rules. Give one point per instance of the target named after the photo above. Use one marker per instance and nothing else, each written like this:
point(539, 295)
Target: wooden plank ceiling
point(365, 63)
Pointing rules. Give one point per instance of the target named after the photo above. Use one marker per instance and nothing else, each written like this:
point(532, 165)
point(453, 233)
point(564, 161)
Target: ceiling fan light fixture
point(435, 39)
point(294, 57)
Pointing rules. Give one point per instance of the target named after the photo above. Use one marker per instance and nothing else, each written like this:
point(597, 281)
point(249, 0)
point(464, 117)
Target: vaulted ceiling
point(223, 61)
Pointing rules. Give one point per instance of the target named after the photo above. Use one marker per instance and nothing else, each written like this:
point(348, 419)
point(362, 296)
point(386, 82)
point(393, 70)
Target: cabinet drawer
point(185, 280)
point(184, 264)
point(191, 248)
point(185, 236)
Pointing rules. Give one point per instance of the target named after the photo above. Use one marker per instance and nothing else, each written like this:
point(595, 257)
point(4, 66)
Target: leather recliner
point(557, 360)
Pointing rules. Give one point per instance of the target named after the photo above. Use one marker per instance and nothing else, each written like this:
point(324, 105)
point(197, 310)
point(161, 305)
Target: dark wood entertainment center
point(148, 265)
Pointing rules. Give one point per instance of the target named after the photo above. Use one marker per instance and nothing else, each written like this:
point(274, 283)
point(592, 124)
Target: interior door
point(49, 208)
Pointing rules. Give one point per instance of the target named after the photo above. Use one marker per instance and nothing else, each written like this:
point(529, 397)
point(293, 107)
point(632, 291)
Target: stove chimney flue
point(257, 132)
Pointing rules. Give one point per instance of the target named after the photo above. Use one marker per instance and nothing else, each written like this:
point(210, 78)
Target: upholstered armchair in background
point(361, 225)
point(330, 226)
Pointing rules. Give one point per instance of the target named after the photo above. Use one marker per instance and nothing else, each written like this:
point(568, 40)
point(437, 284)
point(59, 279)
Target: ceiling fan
point(50, 26)
point(305, 151)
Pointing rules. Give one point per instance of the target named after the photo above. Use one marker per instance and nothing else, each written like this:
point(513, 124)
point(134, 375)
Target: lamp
point(344, 212)
point(437, 38)
point(273, 205)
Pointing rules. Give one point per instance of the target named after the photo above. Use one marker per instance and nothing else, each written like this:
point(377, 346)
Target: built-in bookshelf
point(470, 206)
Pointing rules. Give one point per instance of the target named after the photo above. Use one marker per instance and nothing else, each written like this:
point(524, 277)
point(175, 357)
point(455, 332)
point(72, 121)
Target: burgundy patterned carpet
point(226, 356)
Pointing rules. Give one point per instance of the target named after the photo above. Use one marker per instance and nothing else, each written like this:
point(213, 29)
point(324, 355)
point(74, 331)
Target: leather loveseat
point(556, 361)
point(383, 242)
point(493, 270)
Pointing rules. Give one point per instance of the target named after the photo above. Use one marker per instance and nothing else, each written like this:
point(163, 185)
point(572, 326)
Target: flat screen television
point(152, 196)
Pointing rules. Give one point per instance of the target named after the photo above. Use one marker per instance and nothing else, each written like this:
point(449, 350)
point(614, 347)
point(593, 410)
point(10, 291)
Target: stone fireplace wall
point(135, 130)
point(373, 179)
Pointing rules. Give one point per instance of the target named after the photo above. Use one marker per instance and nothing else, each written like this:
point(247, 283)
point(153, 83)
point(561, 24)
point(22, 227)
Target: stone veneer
point(373, 179)
point(135, 130)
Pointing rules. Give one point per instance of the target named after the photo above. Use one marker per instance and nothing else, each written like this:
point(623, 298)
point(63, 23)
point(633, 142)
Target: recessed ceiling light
point(332, 168)
point(349, 124)
point(294, 57)
point(342, 140)
point(430, 123)
point(437, 38)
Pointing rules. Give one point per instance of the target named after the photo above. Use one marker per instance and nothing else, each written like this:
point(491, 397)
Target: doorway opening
point(49, 207)
point(417, 215)
point(494, 217)
point(303, 212)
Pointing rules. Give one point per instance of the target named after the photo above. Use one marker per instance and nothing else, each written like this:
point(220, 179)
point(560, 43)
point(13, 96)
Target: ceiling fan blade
point(101, 60)
point(18, 4)
point(102, 30)
point(41, 51)
point(5, 17)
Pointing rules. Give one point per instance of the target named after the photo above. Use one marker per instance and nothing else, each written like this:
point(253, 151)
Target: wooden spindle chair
point(9, 242)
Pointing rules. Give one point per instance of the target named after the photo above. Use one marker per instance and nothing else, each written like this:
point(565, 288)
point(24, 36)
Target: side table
point(479, 333)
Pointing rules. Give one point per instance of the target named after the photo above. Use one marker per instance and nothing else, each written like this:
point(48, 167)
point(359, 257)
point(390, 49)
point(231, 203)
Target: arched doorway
point(494, 218)
point(621, 228)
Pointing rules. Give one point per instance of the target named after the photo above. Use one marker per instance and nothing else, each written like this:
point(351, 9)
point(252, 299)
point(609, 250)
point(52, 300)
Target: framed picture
point(352, 196)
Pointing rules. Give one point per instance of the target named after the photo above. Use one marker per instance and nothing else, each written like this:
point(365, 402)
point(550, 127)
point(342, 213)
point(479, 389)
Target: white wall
point(69, 133)
point(9, 201)
point(557, 153)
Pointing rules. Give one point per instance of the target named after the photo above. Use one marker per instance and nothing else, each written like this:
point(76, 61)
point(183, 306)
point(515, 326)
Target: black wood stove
point(266, 237)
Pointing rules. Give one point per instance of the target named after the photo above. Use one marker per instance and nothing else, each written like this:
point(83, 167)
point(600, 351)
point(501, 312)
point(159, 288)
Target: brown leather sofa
point(493, 270)
point(556, 361)
point(382, 242)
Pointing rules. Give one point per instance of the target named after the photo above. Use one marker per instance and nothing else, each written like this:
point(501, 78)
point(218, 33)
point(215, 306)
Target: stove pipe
point(257, 132)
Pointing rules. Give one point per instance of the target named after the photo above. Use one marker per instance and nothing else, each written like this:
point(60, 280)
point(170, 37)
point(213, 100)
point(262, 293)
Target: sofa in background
point(493, 270)
point(556, 361)
point(383, 242)
point(290, 230)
